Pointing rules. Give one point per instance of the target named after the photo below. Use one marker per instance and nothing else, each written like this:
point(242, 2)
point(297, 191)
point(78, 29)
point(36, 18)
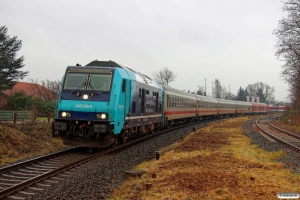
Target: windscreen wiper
point(93, 90)
point(77, 89)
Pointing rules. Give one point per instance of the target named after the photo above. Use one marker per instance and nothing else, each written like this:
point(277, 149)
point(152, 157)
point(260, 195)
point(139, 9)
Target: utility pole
point(205, 87)
point(212, 86)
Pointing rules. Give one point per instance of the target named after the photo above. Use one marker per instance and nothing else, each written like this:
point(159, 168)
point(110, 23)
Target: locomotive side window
point(123, 85)
point(133, 107)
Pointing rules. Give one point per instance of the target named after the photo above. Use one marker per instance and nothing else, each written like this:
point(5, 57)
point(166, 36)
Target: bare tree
point(164, 76)
point(201, 90)
point(288, 49)
point(252, 89)
point(47, 90)
point(269, 93)
point(217, 91)
point(261, 90)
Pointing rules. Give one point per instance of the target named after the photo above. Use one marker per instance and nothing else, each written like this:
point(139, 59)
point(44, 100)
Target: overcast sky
point(229, 40)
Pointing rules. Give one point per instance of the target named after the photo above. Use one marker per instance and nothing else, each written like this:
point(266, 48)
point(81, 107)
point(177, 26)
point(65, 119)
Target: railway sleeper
point(16, 198)
point(16, 177)
point(49, 181)
point(26, 193)
point(35, 189)
point(43, 185)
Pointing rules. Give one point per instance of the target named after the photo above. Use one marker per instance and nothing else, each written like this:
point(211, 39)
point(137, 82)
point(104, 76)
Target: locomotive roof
point(111, 63)
point(142, 78)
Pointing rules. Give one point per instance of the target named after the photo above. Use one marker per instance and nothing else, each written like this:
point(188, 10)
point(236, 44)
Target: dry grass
point(217, 162)
point(26, 140)
point(294, 118)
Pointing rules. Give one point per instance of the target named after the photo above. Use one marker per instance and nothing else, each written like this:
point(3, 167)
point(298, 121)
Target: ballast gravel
point(292, 158)
point(97, 180)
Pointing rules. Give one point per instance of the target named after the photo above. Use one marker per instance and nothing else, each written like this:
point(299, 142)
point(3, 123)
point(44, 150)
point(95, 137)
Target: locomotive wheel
point(115, 143)
point(124, 139)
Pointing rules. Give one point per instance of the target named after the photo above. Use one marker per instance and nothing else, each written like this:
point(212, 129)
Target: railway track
point(287, 139)
point(25, 179)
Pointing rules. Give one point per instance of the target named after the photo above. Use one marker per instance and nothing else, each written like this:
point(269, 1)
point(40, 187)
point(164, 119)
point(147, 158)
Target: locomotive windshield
point(87, 81)
point(75, 81)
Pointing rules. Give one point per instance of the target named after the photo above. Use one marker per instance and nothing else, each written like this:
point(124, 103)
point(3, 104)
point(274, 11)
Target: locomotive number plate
point(84, 106)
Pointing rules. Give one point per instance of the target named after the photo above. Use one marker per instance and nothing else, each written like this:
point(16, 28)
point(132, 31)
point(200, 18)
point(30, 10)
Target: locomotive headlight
point(85, 96)
point(66, 114)
point(101, 116)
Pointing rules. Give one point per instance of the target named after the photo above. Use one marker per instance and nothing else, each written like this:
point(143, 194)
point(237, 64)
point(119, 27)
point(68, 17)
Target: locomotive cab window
point(87, 81)
point(76, 81)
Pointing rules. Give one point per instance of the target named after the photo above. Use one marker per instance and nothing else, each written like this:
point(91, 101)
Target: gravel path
point(291, 160)
point(98, 180)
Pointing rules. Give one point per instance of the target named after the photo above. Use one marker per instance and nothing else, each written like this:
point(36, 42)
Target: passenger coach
point(179, 106)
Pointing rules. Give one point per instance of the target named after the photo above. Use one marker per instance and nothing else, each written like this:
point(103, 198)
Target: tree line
point(259, 89)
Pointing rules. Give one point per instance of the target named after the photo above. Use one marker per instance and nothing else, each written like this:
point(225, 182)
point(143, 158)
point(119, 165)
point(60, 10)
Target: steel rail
point(286, 132)
point(297, 149)
point(34, 160)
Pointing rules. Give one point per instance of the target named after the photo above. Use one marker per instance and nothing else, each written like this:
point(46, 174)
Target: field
point(216, 162)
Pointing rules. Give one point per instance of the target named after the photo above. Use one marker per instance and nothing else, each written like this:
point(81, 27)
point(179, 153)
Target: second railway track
point(288, 139)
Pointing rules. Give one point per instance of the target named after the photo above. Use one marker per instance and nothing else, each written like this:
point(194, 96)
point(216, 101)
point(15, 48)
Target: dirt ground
point(216, 162)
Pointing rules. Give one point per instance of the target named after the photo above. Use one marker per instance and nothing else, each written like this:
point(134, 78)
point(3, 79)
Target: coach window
point(181, 102)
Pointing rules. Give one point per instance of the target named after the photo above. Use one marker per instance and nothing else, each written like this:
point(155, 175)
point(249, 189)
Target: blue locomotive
point(104, 103)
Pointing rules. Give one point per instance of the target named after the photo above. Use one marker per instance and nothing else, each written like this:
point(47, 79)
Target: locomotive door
point(127, 89)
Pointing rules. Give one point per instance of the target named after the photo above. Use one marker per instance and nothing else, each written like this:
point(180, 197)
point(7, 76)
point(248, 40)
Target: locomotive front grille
point(60, 126)
point(100, 128)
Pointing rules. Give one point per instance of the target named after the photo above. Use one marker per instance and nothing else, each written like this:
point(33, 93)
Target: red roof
point(30, 89)
point(27, 88)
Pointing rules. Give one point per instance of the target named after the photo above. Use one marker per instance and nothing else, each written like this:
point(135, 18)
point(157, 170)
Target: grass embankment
point(292, 120)
point(26, 140)
point(216, 162)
